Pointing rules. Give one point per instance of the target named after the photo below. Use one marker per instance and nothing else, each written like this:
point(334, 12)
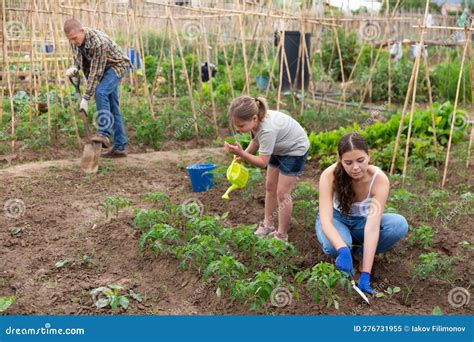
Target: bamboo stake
point(413, 100)
point(138, 47)
point(282, 51)
point(471, 78)
point(173, 72)
point(461, 71)
point(209, 73)
point(6, 68)
point(374, 64)
point(272, 71)
point(402, 120)
point(30, 80)
point(471, 138)
point(430, 98)
point(228, 70)
point(244, 53)
point(190, 90)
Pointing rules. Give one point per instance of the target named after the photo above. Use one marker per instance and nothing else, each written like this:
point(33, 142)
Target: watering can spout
point(237, 175)
point(231, 188)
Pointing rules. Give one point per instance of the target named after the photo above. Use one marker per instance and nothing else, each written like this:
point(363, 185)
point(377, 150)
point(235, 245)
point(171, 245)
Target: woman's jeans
point(393, 228)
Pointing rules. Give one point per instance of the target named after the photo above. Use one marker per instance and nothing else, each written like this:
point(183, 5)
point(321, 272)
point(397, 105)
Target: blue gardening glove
point(364, 283)
point(344, 261)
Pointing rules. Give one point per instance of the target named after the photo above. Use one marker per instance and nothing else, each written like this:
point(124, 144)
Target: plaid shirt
point(103, 53)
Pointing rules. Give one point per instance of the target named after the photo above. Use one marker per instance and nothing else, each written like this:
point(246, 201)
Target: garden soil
point(63, 220)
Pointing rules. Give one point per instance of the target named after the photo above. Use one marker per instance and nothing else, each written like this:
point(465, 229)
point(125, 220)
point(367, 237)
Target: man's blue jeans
point(108, 110)
point(393, 228)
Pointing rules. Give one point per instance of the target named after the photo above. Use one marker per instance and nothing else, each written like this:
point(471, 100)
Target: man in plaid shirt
point(103, 65)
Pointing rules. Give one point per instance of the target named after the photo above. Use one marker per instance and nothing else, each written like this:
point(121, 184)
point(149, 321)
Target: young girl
point(283, 146)
point(352, 196)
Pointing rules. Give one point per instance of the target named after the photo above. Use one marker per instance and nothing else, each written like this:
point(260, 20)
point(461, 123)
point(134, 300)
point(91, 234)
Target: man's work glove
point(344, 261)
point(364, 283)
point(84, 105)
point(71, 72)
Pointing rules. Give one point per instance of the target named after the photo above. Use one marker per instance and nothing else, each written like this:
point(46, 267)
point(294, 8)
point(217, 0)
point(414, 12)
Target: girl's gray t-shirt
point(281, 135)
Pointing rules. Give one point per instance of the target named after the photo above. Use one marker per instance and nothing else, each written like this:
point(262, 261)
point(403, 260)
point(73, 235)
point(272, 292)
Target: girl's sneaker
point(263, 230)
point(278, 236)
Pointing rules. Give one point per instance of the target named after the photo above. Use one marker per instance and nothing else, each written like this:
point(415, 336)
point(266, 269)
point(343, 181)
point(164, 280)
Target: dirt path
point(136, 160)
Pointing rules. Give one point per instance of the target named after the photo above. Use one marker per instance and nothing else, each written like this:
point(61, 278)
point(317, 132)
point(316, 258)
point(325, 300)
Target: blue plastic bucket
point(262, 82)
point(201, 176)
point(132, 54)
point(49, 48)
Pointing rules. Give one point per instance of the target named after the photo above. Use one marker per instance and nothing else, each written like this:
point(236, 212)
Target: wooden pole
point(430, 98)
point(211, 90)
point(6, 75)
point(139, 47)
point(402, 118)
point(185, 72)
point(244, 53)
point(461, 71)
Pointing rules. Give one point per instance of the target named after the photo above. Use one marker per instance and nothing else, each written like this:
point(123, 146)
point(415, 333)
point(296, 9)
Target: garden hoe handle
point(82, 112)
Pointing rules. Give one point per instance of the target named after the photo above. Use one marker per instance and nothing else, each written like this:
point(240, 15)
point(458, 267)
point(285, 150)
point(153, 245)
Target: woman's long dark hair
point(342, 181)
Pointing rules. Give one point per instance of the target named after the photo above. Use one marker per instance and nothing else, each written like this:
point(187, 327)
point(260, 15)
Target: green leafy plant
point(162, 239)
point(110, 296)
point(6, 302)
point(114, 203)
point(225, 270)
point(256, 292)
point(146, 219)
point(322, 280)
point(200, 251)
point(422, 236)
point(159, 198)
point(389, 291)
point(244, 139)
point(433, 264)
point(276, 254)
